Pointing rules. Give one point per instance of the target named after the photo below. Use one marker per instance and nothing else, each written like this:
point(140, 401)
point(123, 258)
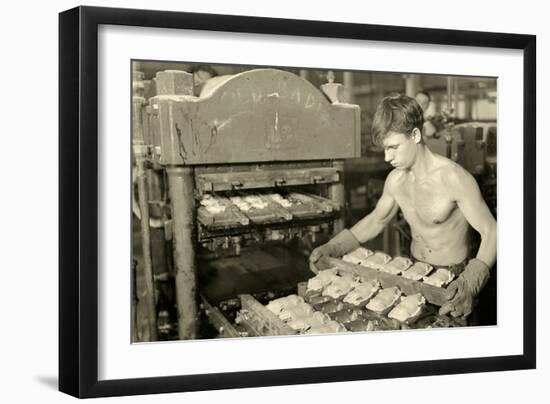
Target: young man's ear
point(417, 135)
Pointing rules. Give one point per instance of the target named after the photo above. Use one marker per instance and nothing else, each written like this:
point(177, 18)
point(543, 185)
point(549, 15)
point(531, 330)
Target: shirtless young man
point(438, 198)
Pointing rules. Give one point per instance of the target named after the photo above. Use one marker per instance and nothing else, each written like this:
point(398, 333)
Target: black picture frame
point(78, 200)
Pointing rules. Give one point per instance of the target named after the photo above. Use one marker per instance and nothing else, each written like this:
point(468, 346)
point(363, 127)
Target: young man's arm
point(366, 229)
point(462, 292)
point(372, 225)
point(477, 213)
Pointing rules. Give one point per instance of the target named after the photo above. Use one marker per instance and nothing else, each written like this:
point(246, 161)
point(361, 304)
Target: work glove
point(341, 244)
point(462, 292)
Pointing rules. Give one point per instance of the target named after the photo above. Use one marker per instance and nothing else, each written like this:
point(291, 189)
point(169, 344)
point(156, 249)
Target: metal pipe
point(140, 156)
point(396, 238)
point(348, 87)
point(412, 84)
point(180, 180)
point(143, 198)
point(336, 193)
point(154, 180)
point(449, 143)
point(449, 94)
point(135, 300)
point(456, 98)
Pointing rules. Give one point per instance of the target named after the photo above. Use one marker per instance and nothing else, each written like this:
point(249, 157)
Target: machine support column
point(140, 155)
point(181, 187)
point(141, 179)
point(336, 193)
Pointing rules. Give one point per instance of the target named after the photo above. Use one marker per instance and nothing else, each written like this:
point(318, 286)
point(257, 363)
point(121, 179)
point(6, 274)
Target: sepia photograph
point(290, 201)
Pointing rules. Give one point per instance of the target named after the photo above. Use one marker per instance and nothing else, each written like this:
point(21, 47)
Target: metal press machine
point(264, 136)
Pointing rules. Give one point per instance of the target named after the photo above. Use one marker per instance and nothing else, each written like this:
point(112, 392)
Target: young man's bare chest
point(425, 202)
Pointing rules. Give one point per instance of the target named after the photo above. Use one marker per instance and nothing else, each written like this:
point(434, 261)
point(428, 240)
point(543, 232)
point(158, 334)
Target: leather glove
point(339, 245)
point(462, 292)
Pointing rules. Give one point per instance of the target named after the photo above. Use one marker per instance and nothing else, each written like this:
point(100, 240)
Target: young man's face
point(400, 150)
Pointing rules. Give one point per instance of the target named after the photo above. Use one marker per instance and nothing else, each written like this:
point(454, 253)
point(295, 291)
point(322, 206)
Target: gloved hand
point(339, 245)
point(462, 292)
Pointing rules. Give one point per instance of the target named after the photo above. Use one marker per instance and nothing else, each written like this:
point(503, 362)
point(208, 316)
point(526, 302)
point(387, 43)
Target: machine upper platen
point(261, 115)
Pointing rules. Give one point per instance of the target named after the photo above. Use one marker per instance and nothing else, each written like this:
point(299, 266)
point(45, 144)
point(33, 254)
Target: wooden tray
point(433, 294)
point(260, 321)
point(231, 217)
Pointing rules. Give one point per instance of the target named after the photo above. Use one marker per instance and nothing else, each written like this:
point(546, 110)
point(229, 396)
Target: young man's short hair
point(396, 113)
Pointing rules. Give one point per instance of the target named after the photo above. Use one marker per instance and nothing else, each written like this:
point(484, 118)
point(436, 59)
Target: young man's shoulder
point(449, 168)
point(454, 175)
point(395, 178)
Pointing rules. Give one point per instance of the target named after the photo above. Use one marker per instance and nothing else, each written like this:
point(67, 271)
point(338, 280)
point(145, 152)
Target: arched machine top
point(256, 116)
point(255, 78)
